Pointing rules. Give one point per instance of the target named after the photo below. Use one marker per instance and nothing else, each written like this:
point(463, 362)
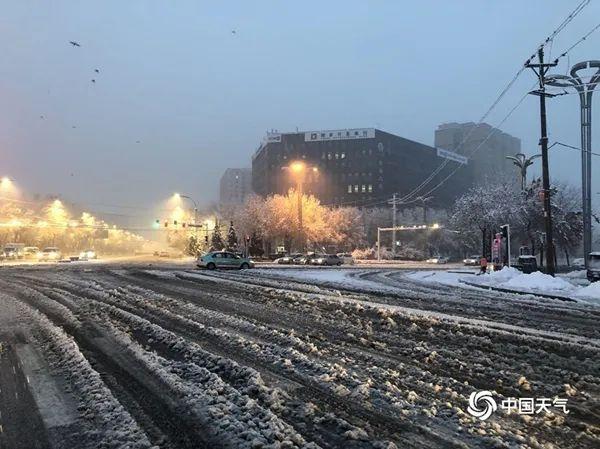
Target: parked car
point(327, 259)
point(578, 263)
point(224, 259)
point(472, 260)
point(308, 258)
point(593, 271)
point(298, 259)
point(164, 254)
point(31, 252)
point(50, 254)
point(287, 260)
point(88, 254)
point(347, 258)
point(14, 251)
point(437, 259)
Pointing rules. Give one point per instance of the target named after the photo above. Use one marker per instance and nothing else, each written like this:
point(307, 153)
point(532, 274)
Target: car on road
point(308, 258)
point(88, 254)
point(472, 260)
point(50, 254)
point(437, 259)
point(224, 259)
point(593, 271)
point(288, 260)
point(327, 259)
point(31, 252)
point(13, 251)
point(347, 258)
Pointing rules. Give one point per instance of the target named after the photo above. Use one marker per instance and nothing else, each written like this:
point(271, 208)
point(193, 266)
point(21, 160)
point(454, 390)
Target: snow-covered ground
point(361, 358)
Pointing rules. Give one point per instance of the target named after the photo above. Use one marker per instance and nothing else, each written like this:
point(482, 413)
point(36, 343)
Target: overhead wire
point(548, 40)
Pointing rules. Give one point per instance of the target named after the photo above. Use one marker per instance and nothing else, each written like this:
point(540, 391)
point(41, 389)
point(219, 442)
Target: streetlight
point(523, 162)
point(299, 169)
point(6, 182)
point(178, 197)
point(585, 91)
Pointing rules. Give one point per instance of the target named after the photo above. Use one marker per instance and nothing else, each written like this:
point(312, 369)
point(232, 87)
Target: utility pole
point(299, 205)
point(394, 226)
point(541, 71)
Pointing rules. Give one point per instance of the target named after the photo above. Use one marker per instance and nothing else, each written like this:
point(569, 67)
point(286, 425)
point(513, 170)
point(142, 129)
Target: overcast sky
point(198, 98)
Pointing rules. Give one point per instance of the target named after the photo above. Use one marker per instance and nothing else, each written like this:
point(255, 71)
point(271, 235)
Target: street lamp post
point(195, 212)
point(298, 170)
point(585, 91)
point(523, 162)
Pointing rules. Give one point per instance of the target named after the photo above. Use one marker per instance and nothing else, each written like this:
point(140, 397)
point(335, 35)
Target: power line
point(577, 43)
point(494, 130)
point(572, 148)
point(550, 38)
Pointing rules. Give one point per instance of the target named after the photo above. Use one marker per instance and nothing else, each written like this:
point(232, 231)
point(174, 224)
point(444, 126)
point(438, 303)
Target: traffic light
point(504, 230)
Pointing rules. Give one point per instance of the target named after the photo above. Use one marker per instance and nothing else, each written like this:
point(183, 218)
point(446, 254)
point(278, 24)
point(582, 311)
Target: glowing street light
point(6, 183)
point(299, 169)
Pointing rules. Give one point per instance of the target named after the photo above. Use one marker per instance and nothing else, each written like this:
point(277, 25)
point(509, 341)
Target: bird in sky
point(137, 141)
point(93, 80)
point(96, 70)
point(74, 44)
point(233, 32)
point(42, 117)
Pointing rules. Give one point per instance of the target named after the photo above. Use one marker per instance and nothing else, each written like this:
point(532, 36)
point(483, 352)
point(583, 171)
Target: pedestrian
point(483, 263)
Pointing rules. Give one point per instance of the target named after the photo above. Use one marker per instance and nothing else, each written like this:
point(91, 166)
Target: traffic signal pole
point(541, 71)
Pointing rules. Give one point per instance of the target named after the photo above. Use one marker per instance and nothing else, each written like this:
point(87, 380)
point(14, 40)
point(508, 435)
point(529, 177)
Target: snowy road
point(133, 356)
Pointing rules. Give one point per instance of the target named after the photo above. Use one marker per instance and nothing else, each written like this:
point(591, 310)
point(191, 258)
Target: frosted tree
point(232, 239)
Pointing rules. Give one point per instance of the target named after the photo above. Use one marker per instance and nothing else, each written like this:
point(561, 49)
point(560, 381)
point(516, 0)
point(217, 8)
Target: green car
point(224, 259)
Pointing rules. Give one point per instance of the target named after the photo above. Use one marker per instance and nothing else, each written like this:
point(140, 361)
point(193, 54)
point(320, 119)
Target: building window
point(365, 133)
point(323, 155)
point(329, 156)
point(349, 188)
point(323, 135)
point(363, 188)
point(381, 170)
point(343, 155)
point(337, 155)
point(356, 188)
point(370, 188)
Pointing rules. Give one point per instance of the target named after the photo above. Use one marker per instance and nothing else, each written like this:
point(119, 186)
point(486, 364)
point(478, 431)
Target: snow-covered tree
point(194, 246)
point(216, 240)
point(232, 240)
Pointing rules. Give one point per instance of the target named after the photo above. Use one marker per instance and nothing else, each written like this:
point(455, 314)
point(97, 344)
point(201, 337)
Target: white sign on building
point(339, 134)
point(447, 154)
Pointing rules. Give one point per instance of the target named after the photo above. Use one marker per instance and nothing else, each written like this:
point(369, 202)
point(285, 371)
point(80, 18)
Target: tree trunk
point(567, 257)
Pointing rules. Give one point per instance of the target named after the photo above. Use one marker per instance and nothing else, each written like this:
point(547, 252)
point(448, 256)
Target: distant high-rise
point(235, 186)
point(489, 160)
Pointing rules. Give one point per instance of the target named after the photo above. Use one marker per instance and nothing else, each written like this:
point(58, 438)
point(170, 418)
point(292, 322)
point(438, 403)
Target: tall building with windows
point(485, 146)
point(358, 167)
point(235, 186)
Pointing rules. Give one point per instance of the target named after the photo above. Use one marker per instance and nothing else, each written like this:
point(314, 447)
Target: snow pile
point(504, 275)
point(591, 292)
point(539, 281)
